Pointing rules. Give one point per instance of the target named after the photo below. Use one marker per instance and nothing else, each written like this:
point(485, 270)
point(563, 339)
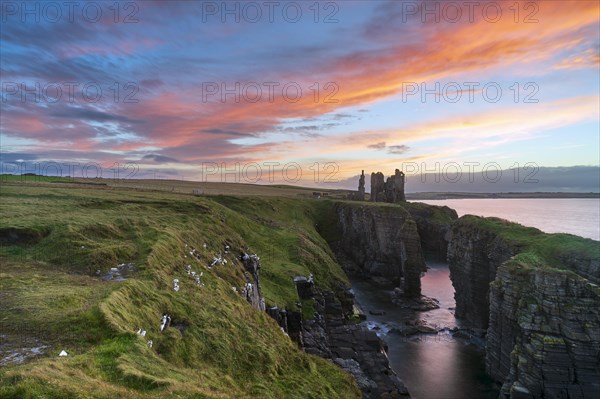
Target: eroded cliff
point(434, 224)
point(542, 316)
point(544, 334)
point(474, 254)
point(382, 240)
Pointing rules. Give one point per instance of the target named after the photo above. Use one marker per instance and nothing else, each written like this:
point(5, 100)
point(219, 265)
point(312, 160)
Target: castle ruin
point(382, 190)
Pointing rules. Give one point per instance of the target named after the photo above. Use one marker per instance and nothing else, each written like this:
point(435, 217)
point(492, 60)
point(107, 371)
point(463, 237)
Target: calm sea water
point(439, 366)
point(573, 215)
point(433, 366)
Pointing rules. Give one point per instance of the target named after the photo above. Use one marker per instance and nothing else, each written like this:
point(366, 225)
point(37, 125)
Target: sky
point(298, 92)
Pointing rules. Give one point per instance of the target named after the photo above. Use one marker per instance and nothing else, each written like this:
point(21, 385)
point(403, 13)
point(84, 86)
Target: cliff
point(219, 342)
point(434, 225)
point(544, 334)
point(382, 240)
point(351, 346)
point(474, 255)
point(542, 315)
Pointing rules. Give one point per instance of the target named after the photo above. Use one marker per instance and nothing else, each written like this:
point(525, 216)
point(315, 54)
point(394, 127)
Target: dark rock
point(543, 334)
point(352, 347)
point(382, 241)
point(541, 315)
point(252, 290)
point(294, 326)
point(434, 224)
point(424, 329)
point(304, 287)
point(474, 255)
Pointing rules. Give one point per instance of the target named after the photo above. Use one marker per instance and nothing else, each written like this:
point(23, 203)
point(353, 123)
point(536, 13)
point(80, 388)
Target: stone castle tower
point(361, 187)
point(390, 190)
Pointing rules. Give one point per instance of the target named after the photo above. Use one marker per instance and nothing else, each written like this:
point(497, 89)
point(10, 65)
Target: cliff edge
point(538, 296)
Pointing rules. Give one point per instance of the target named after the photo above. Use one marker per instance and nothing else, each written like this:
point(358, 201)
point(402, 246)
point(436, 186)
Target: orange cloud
point(450, 49)
point(181, 122)
point(485, 129)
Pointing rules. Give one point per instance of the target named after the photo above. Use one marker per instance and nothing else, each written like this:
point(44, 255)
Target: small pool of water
point(433, 366)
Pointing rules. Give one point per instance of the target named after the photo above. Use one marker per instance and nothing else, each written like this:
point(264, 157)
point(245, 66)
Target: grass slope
point(56, 236)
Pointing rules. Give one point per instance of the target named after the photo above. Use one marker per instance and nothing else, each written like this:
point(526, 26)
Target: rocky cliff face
point(543, 313)
point(434, 225)
point(474, 255)
point(352, 347)
point(382, 241)
point(251, 290)
point(544, 333)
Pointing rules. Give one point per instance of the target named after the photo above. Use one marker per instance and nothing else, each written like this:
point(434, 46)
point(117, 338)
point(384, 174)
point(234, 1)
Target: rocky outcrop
point(544, 333)
point(434, 224)
point(304, 287)
point(251, 290)
point(474, 254)
point(538, 296)
point(352, 347)
point(382, 241)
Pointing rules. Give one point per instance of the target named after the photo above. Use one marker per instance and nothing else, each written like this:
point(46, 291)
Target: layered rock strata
point(538, 296)
point(382, 241)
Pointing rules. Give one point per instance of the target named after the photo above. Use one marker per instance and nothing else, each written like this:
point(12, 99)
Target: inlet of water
point(433, 366)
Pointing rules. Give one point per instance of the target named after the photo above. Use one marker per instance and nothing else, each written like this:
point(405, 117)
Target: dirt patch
point(17, 236)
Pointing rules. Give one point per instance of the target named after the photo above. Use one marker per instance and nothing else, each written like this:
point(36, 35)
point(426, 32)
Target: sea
point(440, 366)
point(578, 216)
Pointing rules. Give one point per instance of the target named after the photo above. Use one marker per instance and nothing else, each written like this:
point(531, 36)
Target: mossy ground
point(538, 249)
point(56, 236)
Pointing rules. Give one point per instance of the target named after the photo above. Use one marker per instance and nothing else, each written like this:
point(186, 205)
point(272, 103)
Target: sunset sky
point(369, 59)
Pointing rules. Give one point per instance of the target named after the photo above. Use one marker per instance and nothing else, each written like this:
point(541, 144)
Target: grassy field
point(178, 186)
point(59, 237)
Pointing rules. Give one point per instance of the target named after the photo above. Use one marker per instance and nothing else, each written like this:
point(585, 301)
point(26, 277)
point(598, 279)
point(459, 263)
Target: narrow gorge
point(532, 297)
point(259, 278)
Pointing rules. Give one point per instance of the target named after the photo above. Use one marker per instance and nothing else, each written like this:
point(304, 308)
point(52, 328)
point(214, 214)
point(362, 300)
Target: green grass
point(442, 215)
point(537, 248)
point(54, 239)
point(33, 178)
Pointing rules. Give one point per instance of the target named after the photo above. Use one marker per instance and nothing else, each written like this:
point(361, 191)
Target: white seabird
point(163, 322)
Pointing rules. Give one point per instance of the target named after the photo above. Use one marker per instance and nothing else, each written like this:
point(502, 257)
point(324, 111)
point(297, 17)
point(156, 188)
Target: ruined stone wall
point(377, 187)
point(390, 190)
